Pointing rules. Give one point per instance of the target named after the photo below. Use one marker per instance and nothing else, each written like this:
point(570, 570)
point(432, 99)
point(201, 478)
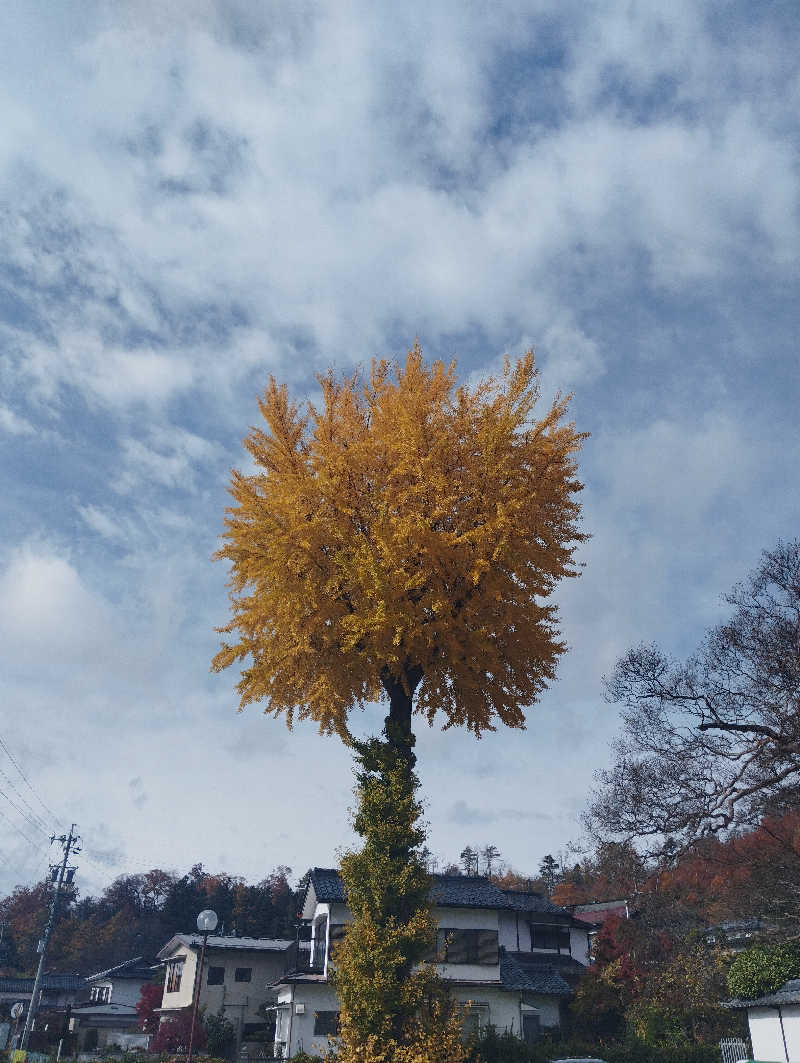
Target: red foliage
point(173, 1033)
point(149, 999)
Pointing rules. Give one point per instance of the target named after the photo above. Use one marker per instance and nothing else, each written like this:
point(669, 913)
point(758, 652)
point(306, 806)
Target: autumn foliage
point(405, 531)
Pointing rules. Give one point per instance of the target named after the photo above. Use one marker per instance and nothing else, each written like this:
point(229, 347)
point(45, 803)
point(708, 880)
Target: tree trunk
point(397, 726)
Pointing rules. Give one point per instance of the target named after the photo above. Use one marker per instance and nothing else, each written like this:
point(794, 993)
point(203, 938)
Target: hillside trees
point(399, 544)
point(137, 914)
point(714, 742)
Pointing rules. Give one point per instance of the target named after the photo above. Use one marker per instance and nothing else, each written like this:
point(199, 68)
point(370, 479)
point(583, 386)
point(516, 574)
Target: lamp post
point(206, 922)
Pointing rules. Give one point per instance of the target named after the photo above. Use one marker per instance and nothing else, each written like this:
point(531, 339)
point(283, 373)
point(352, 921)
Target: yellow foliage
point(404, 525)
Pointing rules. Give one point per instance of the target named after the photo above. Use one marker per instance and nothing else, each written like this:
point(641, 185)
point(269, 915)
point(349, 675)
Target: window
point(243, 974)
point(326, 1022)
point(216, 976)
point(531, 1027)
point(474, 1018)
point(467, 946)
point(100, 994)
point(174, 974)
point(552, 938)
point(336, 933)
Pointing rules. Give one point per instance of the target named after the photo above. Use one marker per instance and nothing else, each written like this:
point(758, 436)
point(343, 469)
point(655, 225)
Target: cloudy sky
point(199, 194)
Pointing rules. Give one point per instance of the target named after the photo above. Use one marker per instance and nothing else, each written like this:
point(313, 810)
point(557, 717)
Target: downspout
point(783, 1034)
point(289, 1052)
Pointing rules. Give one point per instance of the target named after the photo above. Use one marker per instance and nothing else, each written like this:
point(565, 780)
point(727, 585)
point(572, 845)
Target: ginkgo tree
point(402, 538)
point(399, 543)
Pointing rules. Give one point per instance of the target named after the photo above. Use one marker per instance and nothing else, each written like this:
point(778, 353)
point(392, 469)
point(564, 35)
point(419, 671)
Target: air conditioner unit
point(299, 1009)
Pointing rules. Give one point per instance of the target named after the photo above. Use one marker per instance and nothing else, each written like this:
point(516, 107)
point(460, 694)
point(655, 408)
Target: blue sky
point(195, 198)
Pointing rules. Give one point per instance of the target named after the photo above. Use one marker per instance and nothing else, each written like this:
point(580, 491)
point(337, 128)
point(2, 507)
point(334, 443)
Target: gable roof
point(249, 944)
point(447, 891)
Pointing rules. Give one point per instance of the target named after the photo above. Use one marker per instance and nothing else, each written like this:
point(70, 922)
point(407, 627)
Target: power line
point(21, 833)
point(31, 822)
point(32, 811)
point(30, 786)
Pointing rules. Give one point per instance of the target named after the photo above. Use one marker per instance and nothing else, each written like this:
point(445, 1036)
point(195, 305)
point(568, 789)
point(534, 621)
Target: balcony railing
point(316, 961)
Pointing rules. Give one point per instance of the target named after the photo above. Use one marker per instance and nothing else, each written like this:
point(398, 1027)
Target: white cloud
point(204, 193)
point(13, 423)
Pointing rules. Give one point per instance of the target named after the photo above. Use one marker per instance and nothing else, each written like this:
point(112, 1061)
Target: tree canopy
point(405, 533)
point(714, 742)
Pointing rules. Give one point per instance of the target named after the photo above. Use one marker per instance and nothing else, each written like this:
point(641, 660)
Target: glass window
point(552, 938)
point(216, 976)
point(174, 974)
point(467, 946)
point(326, 1022)
point(243, 974)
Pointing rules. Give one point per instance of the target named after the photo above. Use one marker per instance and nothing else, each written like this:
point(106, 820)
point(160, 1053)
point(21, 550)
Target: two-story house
point(111, 1007)
point(508, 958)
point(236, 972)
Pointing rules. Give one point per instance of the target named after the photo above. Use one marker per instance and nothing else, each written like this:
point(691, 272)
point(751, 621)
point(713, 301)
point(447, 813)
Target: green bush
point(763, 969)
point(492, 1047)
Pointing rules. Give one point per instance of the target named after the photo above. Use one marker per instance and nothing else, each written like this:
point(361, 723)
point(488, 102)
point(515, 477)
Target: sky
point(195, 196)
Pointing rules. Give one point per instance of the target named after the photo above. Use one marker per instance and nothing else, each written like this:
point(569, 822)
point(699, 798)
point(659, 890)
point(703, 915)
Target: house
point(58, 991)
point(736, 935)
point(110, 1009)
point(236, 971)
point(508, 958)
point(57, 994)
point(595, 914)
point(774, 1022)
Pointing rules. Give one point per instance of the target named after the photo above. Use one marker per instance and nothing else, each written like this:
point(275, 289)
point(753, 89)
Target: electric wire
point(28, 783)
point(34, 814)
point(30, 822)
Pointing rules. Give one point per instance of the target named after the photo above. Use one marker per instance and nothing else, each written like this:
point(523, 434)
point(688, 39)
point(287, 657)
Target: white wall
point(765, 1033)
point(514, 932)
point(183, 997)
point(579, 944)
point(238, 1001)
point(791, 1028)
point(468, 919)
point(311, 997)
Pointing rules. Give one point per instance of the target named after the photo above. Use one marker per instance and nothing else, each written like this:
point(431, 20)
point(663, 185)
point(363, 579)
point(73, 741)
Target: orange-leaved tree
point(402, 538)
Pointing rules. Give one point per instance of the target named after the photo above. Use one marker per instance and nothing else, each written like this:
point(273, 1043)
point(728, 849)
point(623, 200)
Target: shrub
point(762, 970)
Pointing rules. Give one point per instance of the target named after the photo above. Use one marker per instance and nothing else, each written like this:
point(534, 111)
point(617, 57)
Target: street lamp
point(206, 922)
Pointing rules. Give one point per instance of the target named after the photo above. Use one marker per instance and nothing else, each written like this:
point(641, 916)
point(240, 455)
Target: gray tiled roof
point(789, 993)
point(49, 981)
point(448, 891)
point(532, 902)
point(538, 978)
point(462, 891)
point(328, 885)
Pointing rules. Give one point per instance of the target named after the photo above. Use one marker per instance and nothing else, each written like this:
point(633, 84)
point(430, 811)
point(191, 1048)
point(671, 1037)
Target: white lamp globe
point(207, 921)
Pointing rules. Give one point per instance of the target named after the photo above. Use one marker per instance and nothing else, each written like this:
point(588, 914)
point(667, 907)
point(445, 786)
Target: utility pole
point(69, 843)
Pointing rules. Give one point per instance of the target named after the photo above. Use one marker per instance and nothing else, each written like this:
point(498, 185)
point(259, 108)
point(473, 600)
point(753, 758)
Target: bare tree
point(713, 743)
point(490, 854)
